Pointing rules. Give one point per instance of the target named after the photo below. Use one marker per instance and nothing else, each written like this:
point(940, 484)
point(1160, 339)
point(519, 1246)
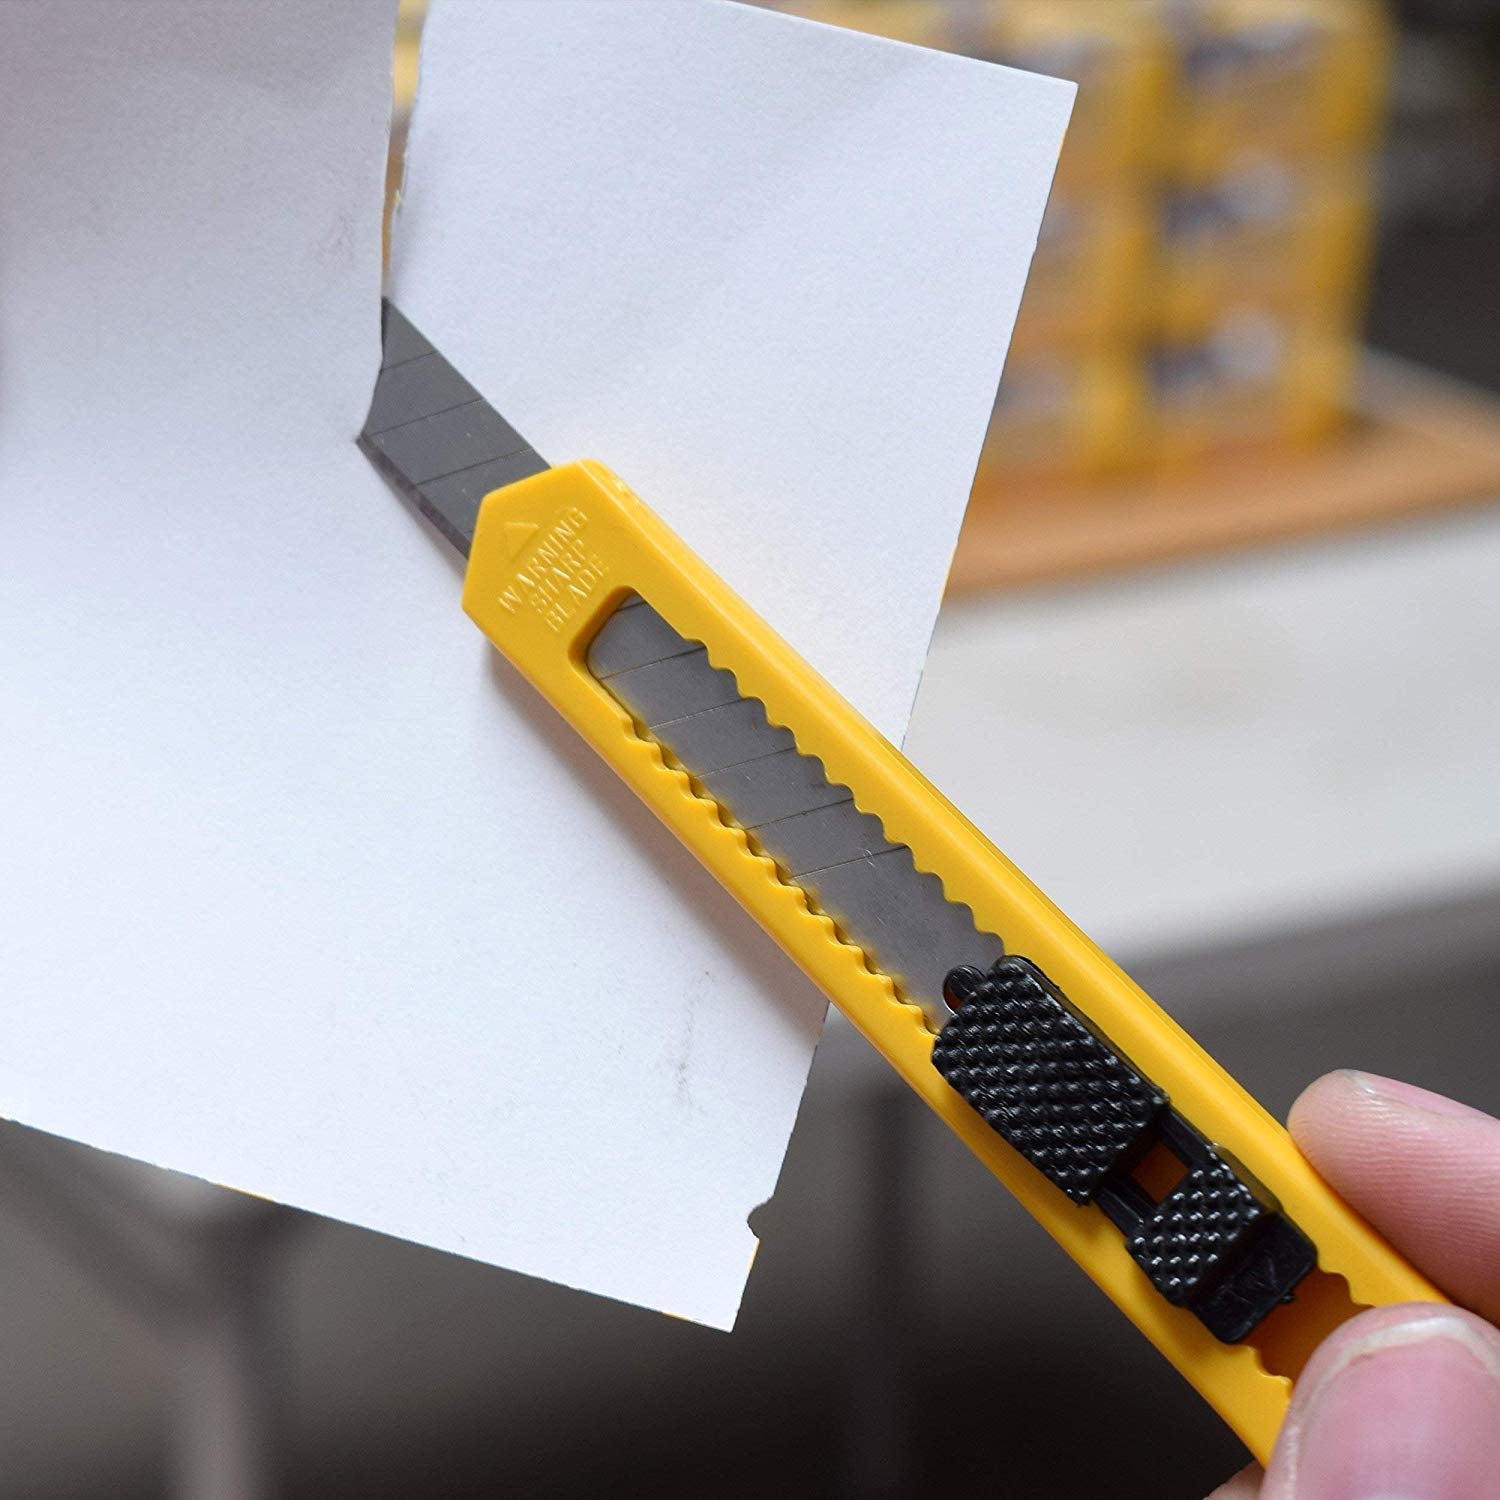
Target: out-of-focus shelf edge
point(1416, 442)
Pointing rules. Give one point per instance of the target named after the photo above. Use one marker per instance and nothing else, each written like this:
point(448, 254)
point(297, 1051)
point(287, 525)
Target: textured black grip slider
point(1040, 1077)
point(1215, 1243)
point(1083, 1116)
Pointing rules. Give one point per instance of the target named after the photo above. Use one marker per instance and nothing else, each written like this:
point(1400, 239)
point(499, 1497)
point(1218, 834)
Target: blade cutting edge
point(434, 437)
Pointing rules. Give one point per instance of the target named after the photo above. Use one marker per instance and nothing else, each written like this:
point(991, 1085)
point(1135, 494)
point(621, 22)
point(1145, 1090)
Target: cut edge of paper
point(223, 1058)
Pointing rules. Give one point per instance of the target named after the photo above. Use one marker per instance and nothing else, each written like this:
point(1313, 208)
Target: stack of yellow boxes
point(1198, 283)
point(1265, 220)
point(1072, 402)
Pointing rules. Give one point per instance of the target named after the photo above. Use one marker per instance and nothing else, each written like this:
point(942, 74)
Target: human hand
point(1401, 1403)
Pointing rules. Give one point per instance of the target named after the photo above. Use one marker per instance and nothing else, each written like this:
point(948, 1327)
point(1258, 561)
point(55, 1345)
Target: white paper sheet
point(302, 889)
point(787, 269)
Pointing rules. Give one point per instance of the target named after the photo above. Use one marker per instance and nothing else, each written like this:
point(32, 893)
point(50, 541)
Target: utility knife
point(1167, 1183)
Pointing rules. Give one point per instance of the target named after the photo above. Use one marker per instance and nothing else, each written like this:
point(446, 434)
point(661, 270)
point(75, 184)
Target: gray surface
point(1190, 756)
point(811, 827)
point(890, 1263)
point(434, 438)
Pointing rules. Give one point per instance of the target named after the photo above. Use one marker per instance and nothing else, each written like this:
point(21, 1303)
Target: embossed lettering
point(558, 574)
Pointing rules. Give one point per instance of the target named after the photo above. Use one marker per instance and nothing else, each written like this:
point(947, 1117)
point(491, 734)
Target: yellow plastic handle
point(553, 556)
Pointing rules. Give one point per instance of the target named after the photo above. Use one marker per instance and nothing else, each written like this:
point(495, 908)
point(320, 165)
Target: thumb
point(1402, 1403)
point(1244, 1486)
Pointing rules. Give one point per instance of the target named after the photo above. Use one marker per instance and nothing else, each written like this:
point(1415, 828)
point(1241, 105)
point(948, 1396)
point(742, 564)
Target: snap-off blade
point(444, 448)
point(435, 438)
point(811, 827)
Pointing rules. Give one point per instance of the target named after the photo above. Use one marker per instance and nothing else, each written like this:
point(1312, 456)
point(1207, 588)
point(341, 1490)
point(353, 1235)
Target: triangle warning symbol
point(517, 534)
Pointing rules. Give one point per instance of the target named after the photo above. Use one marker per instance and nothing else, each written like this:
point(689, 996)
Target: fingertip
point(1377, 1087)
point(1324, 1102)
point(1424, 1170)
point(1327, 1103)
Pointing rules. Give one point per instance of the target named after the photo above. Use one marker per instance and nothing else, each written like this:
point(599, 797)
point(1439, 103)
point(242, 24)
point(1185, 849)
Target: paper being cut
point(305, 891)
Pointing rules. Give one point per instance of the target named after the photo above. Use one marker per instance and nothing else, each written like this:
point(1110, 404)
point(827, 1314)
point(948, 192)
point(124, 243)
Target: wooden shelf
point(1418, 442)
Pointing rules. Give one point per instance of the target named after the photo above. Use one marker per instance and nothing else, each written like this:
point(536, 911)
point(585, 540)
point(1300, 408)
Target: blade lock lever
point(1042, 1078)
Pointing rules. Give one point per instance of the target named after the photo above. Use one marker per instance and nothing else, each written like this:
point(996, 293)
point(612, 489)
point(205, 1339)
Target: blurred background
point(1218, 668)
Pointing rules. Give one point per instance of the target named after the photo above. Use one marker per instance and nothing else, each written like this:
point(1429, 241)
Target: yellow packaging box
point(1085, 287)
point(1255, 381)
point(1284, 78)
point(1293, 240)
point(1065, 418)
point(1119, 52)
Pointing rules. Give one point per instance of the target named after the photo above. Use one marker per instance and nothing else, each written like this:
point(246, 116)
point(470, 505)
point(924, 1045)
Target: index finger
point(1423, 1169)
